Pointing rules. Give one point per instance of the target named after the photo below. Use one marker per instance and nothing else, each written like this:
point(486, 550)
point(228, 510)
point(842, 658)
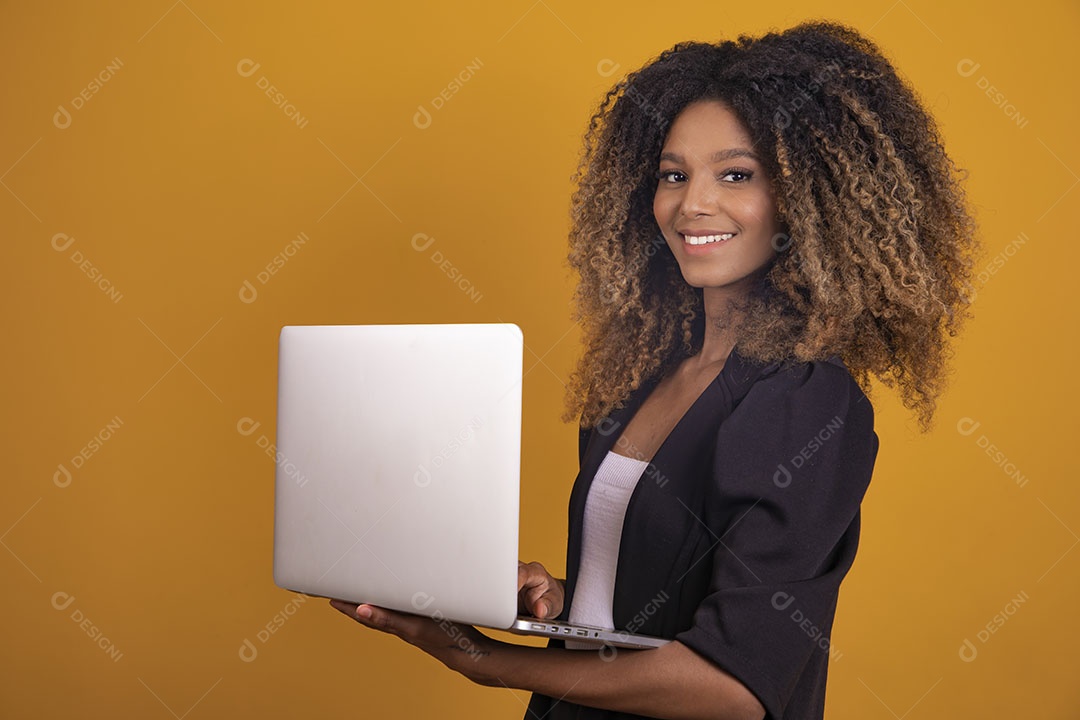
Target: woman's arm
point(671, 681)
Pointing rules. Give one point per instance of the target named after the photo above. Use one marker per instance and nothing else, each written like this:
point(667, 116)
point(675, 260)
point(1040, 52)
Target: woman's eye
point(737, 175)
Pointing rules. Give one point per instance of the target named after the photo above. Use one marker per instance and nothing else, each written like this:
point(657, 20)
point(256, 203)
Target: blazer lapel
point(737, 375)
point(601, 439)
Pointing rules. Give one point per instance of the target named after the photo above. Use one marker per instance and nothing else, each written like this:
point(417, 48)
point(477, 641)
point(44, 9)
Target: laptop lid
point(398, 467)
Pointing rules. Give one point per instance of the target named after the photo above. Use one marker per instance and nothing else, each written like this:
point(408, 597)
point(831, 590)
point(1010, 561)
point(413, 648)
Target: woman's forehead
point(710, 128)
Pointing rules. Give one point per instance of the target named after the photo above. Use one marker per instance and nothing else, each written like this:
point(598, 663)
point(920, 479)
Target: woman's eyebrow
point(718, 156)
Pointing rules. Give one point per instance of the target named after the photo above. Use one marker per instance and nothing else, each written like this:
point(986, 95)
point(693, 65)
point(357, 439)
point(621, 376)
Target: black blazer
point(739, 533)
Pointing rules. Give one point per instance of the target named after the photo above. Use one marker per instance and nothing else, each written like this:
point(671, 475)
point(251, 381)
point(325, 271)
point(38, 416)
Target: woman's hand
point(462, 648)
point(539, 594)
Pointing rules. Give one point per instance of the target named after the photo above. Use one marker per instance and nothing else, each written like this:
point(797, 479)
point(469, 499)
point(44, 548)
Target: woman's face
point(713, 201)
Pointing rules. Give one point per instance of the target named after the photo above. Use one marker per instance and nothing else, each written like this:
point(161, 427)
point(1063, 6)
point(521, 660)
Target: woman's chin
point(701, 280)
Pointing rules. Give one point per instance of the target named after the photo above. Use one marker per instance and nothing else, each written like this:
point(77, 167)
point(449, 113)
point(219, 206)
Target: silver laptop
point(398, 470)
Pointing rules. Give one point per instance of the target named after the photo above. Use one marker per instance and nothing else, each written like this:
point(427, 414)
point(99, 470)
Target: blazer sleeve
point(793, 462)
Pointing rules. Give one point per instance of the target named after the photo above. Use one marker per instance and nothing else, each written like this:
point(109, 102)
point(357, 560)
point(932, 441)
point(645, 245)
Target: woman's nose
point(702, 196)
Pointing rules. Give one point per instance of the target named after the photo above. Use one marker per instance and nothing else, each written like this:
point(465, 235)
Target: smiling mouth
point(706, 239)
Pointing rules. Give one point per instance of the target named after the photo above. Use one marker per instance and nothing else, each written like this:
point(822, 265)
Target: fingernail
point(364, 611)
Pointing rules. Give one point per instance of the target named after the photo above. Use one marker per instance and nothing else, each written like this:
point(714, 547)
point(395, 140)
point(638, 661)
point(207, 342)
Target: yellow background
point(180, 180)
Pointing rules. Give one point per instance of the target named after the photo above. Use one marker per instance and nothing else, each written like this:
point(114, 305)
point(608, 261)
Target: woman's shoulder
point(820, 383)
point(811, 416)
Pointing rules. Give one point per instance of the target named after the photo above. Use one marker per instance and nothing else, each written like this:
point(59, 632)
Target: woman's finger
point(344, 607)
point(543, 601)
point(378, 618)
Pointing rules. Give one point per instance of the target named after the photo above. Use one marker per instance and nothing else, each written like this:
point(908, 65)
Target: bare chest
point(660, 413)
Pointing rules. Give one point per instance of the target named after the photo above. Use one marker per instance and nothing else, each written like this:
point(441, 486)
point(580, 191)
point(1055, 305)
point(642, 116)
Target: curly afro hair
point(877, 263)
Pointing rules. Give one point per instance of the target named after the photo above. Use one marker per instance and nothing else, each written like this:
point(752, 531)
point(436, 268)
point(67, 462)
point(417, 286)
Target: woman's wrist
point(501, 664)
point(494, 664)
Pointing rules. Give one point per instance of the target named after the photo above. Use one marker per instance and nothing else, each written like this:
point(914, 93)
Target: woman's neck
point(721, 321)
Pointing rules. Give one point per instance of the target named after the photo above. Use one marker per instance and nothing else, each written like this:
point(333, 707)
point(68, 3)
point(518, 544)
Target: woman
point(760, 226)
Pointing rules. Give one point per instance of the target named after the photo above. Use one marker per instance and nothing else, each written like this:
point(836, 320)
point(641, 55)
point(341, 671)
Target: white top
point(605, 509)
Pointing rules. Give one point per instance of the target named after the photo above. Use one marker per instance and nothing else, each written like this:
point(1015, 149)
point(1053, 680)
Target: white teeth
point(705, 239)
